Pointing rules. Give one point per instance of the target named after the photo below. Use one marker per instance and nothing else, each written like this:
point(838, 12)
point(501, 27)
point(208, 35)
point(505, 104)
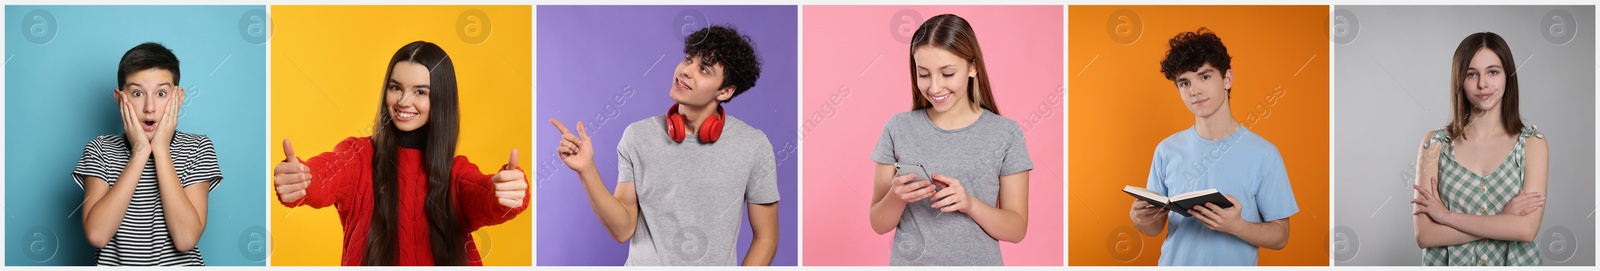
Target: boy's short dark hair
point(721, 44)
point(147, 56)
point(1189, 50)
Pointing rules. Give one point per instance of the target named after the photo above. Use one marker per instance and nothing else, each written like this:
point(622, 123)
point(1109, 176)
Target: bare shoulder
point(1430, 145)
point(1536, 147)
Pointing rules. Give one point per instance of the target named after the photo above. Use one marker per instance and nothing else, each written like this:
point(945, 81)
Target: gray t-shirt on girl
point(977, 155)
point(692, 194)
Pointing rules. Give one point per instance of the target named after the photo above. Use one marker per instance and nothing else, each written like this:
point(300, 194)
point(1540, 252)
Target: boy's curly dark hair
point(722, 44)
point(1190, 50)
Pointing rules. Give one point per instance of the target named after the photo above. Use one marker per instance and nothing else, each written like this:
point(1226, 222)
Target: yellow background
point(327, 71)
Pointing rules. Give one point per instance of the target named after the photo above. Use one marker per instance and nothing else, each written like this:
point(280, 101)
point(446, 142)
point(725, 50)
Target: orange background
point(1120, 106)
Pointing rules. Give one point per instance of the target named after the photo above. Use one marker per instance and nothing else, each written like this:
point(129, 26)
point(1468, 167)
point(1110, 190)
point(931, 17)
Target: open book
point(1180, 203)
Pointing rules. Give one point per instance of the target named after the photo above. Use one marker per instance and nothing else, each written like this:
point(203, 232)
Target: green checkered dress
point(1465, 192)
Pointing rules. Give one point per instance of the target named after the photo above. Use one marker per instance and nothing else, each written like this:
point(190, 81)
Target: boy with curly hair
point(682, 176)
point(1217, 152)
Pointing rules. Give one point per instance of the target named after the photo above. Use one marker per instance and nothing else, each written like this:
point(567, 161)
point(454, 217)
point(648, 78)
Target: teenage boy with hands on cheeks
point(141, 204)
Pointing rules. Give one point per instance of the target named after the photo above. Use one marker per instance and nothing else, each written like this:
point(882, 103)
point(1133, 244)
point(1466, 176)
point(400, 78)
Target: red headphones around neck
point(710, 130)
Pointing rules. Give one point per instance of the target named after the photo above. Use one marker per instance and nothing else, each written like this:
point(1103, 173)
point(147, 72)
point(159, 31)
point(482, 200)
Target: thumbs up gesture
point(510, 186)
point(291, 177)
point(576, 150)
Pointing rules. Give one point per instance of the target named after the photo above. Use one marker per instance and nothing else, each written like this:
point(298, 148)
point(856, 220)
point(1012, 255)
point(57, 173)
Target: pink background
point(856, 75)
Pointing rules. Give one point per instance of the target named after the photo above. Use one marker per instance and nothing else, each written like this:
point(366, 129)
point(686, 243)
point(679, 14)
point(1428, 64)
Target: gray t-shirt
point(692, 194)
point(977, 155)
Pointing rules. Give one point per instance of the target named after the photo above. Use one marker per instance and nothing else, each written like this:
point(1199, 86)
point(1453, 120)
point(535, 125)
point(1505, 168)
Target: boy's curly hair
point(1190, 50)
point(722, 44)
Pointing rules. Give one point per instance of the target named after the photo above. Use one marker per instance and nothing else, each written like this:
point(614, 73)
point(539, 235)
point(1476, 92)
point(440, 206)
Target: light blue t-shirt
point(1243, 165)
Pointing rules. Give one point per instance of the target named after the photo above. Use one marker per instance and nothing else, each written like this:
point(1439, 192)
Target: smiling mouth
point(404, 115)
point(680, 84)
point(941, 98)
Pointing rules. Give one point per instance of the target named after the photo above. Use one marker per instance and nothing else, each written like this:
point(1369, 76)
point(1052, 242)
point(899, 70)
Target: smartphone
point(915, 168)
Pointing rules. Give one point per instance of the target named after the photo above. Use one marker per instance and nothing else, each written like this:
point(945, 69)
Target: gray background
point(1392, 86)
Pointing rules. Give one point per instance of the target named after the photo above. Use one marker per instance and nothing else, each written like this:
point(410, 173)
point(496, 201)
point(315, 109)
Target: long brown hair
point(444, 124)
point(1460, 105)
point(952, 33)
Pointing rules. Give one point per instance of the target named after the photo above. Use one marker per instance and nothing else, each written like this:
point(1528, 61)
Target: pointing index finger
point(562, 128)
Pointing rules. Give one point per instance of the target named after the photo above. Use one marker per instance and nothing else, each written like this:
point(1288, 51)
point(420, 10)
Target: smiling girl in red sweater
point(404, 197)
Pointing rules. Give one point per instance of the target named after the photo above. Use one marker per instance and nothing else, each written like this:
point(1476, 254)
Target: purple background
point(610, 66)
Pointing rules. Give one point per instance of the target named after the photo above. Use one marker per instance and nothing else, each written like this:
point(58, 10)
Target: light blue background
point(58, 97)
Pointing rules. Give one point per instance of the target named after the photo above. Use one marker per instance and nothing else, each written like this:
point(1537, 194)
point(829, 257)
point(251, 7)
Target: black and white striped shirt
point(143, 240)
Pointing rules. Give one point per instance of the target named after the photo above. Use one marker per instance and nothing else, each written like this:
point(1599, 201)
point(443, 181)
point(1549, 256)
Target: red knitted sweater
point(343, 178)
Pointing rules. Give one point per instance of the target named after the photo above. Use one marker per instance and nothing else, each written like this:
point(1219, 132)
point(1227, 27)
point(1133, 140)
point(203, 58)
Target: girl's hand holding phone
point(953, 197)
point(907, 189)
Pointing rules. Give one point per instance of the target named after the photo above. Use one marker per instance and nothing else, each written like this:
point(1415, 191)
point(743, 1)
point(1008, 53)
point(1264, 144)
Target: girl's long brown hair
point(952, 33)
point(445, 236)
point(1460, 105)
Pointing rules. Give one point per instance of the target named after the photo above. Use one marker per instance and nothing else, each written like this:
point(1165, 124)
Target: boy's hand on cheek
point(169, 121)
point(132, 125)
